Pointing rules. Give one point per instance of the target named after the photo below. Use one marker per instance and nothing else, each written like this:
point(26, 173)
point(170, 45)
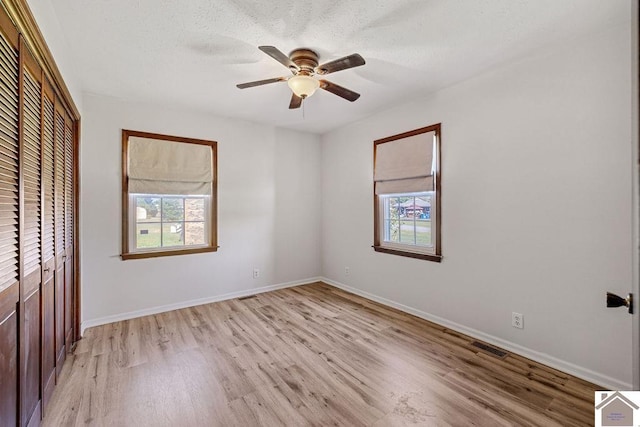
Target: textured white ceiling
point(190, 54)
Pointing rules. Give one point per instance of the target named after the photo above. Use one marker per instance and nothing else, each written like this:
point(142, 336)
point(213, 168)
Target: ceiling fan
point(303, 64)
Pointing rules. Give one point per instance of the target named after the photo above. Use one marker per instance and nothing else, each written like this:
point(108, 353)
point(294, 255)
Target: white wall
point(536, 207)
point(268, 212)
point(49, 25)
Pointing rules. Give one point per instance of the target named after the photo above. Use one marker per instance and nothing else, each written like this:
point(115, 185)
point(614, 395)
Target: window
point(407, 220)
point(169, 221)
point(169, 195)
point(407, 194)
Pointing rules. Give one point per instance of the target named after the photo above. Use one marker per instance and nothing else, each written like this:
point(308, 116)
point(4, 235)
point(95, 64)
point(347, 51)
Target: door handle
point(614, 300)
point(46, 270)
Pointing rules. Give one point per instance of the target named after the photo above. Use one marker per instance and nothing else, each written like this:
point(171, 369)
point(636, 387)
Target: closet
point(38, 164)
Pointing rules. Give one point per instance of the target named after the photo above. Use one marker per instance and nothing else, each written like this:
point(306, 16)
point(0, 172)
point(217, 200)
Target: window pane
point(407, 231)
point(194, 233)
point(148, 209)
point(172, 234)
point(194, 210)
point(423, 220)
point(172, 209)
point(423, 232)
point(148, 235)
point(392, 217)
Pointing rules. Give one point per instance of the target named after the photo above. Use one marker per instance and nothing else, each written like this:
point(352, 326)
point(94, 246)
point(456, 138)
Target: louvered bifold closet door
point(30, 276)
point(48, 245)
point(68, 231)
point(31, 173)
point(9, 148)
point(9, 285)
point(58, 189)
point(68, 186)
point(48, 176)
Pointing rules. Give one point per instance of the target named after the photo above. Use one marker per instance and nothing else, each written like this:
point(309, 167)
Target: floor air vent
point(247, 297)
point(489, 349)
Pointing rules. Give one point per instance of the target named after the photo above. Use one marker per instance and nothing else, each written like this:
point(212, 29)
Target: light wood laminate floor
point(308, 355)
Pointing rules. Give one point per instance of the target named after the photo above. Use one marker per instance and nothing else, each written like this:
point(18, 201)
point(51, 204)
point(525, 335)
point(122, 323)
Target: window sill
point(417, 255)
point(155, 254)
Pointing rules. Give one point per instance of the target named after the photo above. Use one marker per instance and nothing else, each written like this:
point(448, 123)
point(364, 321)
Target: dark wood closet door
point(9, 356)
point(48, 245)
point(58, 188)
point(31, 273)
point(68, 233)
point(9, 232)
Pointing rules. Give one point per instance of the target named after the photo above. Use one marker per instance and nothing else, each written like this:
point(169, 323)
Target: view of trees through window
point(407, 218)
point(169, 221)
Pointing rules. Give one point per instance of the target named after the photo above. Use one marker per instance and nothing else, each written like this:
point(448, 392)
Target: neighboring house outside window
point(407, 194)
point(168, 195)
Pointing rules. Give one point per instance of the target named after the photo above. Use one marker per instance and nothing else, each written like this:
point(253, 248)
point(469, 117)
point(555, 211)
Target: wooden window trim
point(416, 255)
point(127, 254)
point(437, 256)
point(173, 252)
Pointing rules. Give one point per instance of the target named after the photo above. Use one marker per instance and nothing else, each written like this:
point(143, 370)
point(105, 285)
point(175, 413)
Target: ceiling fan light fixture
point(303, 86)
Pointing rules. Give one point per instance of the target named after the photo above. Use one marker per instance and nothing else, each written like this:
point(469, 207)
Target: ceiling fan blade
point(296, 102)
point(260, 82)
point(280, 57)
point(342, 92)
point(344, 63)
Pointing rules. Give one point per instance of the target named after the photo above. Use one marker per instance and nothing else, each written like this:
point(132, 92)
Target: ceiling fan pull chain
point(303, 108)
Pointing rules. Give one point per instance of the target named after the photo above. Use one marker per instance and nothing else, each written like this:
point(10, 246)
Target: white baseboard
point(191, 303)
point(553, 362)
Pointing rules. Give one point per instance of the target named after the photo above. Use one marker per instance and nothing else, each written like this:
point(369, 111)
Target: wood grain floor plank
point(310, 355)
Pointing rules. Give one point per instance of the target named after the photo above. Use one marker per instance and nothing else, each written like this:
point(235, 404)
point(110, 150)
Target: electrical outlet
point(347, 271)
point(517, 320)
point(256, 273)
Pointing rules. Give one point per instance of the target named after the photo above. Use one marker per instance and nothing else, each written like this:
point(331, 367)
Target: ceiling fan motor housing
point(305, 59)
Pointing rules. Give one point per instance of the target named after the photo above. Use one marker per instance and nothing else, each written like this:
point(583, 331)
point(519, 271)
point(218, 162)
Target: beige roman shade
point(168, 167)
point(405, 165)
